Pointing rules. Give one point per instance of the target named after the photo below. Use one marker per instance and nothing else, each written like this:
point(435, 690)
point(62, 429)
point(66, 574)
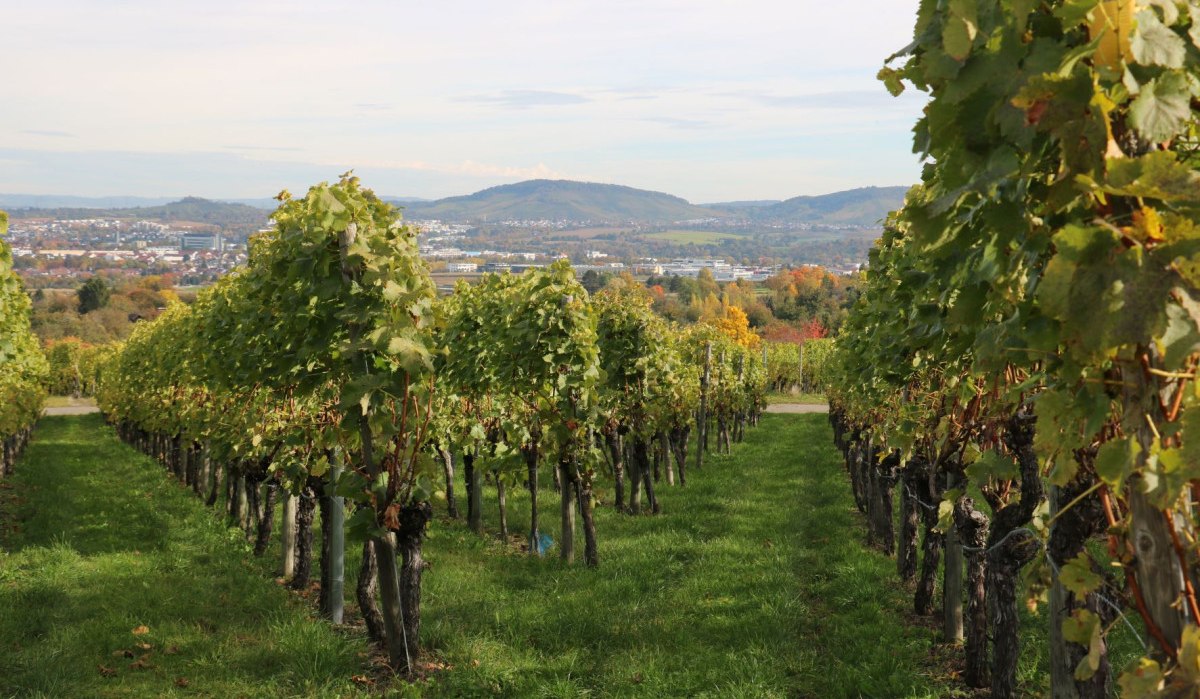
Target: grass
point(753, 582)
point(693, 237)
point(104, 544)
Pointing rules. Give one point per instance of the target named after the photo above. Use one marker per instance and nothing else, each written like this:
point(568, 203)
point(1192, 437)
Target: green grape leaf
point(1154, 43)
point(1189, 658)
point(891, 80)
point(992, 466)
point(960, 28)
point(1078, 577)
point(1156, 175)
point(1142, 681)
point(1181, 338)
point(1115, 461)
point(1163, 107)
point(1079, 627)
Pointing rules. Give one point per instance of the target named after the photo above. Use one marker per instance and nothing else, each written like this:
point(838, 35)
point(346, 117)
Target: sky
point(711, 100)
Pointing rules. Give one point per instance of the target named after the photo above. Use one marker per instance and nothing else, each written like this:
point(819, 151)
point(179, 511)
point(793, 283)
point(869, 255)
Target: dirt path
point(72, 410)
point(798, 408)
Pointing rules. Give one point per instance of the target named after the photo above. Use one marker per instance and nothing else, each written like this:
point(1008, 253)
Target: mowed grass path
point(105, 544)
point(753, 582)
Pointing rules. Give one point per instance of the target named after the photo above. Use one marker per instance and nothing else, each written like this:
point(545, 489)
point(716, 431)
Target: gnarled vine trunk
point(366, 591)
point(931, 550)
point(1069, 533)
point(305, 511)
point(1008, 551)
point(972, 526)
point(910, 522)
point(474, 478)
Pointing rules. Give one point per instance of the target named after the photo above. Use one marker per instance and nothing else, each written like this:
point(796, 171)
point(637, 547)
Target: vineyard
point(326, 377)
point(1021, 369)
point(524, 488)
point(23, 366)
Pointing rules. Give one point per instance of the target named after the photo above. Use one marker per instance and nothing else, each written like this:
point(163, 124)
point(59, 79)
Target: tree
point(94, 294)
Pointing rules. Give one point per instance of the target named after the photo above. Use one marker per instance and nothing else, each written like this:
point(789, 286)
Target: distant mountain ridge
point(554, 200)
point(566, 200)
point(561, 200)
point(862, 206)
point(218, 213)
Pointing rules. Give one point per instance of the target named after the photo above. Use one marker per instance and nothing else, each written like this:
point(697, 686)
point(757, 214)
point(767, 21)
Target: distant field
point(583, 233)
point(697, 237)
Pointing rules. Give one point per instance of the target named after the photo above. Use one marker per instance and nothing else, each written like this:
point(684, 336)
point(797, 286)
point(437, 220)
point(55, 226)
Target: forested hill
point(194, 209)
point(555, 200)
point(562, 200)
point(865, 206)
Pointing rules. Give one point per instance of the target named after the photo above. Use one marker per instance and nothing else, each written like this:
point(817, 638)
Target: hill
point(217, 213)
point(554, 200)
point(562, 200)
point(866, 206)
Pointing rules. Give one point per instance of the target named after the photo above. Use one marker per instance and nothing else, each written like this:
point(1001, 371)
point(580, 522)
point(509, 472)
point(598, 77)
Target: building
point(462, 267)
point(201, 241)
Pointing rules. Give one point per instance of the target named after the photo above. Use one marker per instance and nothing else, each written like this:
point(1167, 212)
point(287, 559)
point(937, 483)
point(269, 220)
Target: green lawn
point(696, 237)
point(752, 583)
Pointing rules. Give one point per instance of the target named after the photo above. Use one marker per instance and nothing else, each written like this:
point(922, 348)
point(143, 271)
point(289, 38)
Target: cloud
point(263, 148)
point(647, 92)
point(678, 123)
point(523, 99)
point(847, 99)
point(51, 134)
point(232, 175)
point(470, 168)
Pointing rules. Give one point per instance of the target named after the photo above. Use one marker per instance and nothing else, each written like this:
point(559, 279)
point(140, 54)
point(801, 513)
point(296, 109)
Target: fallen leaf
point(123, 653)
point(181, 682)
point(362, 679)
point(140, 664)
point(106, 671)
point(144, 646)
point(141, 631)
point(171, 650)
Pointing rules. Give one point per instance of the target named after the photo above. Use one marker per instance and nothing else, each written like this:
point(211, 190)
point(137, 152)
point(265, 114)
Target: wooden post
point(802, 367)
point(702, 418)
point(289, 535)
point(337, 543)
